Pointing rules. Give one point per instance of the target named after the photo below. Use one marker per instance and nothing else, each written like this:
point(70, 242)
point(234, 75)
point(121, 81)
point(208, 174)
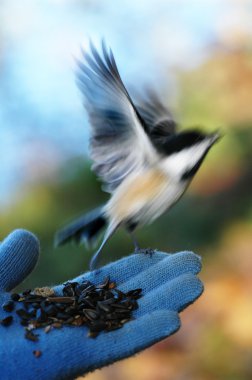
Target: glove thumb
point(19, 253)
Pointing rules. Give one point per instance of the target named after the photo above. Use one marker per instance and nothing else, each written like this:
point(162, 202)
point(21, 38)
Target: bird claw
point(146, 251)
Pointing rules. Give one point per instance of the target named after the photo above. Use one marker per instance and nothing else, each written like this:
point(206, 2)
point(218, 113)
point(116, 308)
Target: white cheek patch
point(178, 163)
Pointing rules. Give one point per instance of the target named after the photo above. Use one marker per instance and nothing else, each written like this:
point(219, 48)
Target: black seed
point(24, 322)
point(8, 306)
point(69, 320)
point(112, 316)
point(41, 315)
point(97, 326)
point(105, 283)
point(90, 314)
point(133, 304)
point(57, 325)
point(68, 290)
point(43, 305)
point(26, 292)
point(81, 287)
point(125, 320)
point(31, 336)
point(108, 301)
point(89, 288)
point(6, 321)
point(47, 329)
point(26, 306)
point(60, 300)
point(15, 297)
point(85, 284)
point(35, 305)
point(100, 307)
point(60, 307)
point(70, 310)
point(62, 316)
point(86, 301)
point(109, 294)
point(119, 306)
point(32, 299)
point(37, 353)
point(79, 321)
point(121, 311)
point(24, 314)
point(51, 310)
point(33, 313)
point(134, 293)
point(74, 284)
point(104, 307)
point(120, 294)
point(31, 296)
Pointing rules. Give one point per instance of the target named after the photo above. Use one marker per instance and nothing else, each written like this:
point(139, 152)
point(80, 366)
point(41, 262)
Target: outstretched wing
point(119, 141)
point(157, 117)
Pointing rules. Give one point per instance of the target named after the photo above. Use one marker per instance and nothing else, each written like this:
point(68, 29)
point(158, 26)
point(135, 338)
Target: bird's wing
point(157, 117)
point(119, 141)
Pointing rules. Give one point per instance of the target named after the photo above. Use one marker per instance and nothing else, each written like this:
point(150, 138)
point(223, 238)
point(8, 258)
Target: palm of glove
point(168, 285)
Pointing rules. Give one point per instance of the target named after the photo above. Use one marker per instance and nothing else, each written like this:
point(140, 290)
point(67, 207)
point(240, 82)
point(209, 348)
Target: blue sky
point(42, 121)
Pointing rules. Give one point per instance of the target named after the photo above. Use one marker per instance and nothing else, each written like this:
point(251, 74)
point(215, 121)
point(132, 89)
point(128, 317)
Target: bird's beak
point(214, 137)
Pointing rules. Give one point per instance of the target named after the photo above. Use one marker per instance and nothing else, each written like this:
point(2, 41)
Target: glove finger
point(19, 253)
point(175, 295)
point(159, 264)
point(164, 271)
point(135, 336)
point(121, 270)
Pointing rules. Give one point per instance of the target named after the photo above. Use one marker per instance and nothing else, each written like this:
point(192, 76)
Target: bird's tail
point(84, 229)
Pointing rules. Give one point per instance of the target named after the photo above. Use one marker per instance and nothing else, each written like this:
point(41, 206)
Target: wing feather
point(157, 117)
point(119, 142)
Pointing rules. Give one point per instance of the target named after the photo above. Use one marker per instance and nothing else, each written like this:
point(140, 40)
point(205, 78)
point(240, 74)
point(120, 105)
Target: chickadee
point(145, 164)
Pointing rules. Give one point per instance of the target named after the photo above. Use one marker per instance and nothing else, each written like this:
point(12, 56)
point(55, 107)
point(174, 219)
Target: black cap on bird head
point(186, 151)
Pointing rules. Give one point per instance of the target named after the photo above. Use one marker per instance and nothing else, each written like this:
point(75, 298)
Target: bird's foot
point(146, 251)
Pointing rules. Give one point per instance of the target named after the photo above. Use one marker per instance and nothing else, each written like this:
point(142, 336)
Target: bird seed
point(100, 307)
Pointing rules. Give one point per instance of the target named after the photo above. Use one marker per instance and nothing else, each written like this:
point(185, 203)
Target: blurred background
point(198, 55)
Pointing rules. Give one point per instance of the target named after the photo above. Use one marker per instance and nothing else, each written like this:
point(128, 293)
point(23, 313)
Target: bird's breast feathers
point(143, 195)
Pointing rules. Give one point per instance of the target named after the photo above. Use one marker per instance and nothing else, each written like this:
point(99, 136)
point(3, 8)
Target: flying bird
point(145, 163)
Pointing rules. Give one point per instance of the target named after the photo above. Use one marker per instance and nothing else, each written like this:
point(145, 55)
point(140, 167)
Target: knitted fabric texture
point(169, 284)
point(19, 253)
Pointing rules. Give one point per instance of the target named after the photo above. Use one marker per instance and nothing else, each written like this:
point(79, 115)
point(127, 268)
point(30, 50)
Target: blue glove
point(169, 285)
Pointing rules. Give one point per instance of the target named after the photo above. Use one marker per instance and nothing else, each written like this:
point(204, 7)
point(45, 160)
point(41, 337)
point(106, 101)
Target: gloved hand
point(169, 285)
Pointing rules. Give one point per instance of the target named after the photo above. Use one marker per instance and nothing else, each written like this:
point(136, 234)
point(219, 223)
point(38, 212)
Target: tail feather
point(82, 229)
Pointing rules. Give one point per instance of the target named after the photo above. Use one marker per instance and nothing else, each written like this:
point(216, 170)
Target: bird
point(143, 160)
